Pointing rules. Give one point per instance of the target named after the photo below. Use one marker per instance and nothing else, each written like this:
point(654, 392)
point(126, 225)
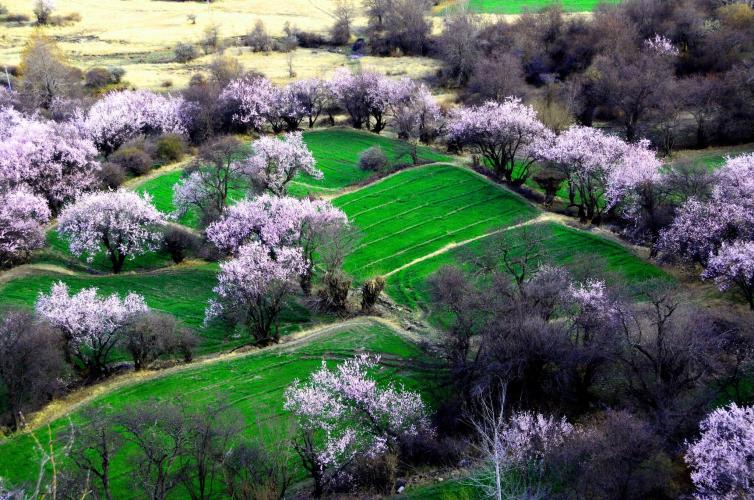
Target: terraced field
point(519, 6)
point(564, 245)
point(253, 384)
point(337, 153)
point(419, 211)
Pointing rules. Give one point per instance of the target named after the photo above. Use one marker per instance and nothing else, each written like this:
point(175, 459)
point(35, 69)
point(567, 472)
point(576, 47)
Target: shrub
point(3, 10)
point(112, 175)
point(97, 77)
point(133, 159)
point(185, 52)
point(370, 292)
point(17, 18)
point(116, 73)
point(170, 147)
point(373, 159)
point(153, 335)
point(178, 242)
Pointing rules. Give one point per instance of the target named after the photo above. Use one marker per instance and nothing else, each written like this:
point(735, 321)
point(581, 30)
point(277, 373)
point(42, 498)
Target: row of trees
point(674, 71)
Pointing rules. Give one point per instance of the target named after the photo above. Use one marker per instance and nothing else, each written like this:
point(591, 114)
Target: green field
point(253, 384)
point(519, 6)
point(564, 246)
point(419, 211)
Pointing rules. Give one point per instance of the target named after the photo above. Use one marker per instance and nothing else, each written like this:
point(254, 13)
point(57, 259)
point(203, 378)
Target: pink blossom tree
point(274, 163)
point(250, 99)
point(122, 115)
point(588, 157)
point(415, 112)
point(90, 324)
point(343, 414)
point(508, 135)
point(721, 460)
point(366, 96)
point(253, 287)
point(52, 159)
point(700, 227)
point(733, 266)
point(279, 221)
point(22, 218)
point(124, 223)
point(314, 96)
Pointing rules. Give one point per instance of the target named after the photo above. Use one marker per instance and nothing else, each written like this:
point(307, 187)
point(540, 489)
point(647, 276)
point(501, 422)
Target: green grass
point(452, 489)
point(182, 291)
point(564, 245)
point(519, 6)
point(421, 210)
point(253, 384)
point(337, 153)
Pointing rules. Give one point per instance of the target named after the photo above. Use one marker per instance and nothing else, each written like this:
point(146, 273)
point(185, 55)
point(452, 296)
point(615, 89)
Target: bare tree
point(31, 362)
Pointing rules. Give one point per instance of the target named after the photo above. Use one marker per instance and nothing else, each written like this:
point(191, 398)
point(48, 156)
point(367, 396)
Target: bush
point(373, 159)
point(133, 159)
point(3, 10)
point(185, 52)
point(116, 73)
point(17, 18)
point(97, 78)
point(170, 147)
point(112, 175)
point(72, 18)
point(154, 335)
point(370, 292)
point(178, 242)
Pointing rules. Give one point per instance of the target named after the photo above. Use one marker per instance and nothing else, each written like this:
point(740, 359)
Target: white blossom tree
point(22, 219)
point(122, 223)
point(343, 414)
point(253, 287)
point(274, 163)
point(91, 324)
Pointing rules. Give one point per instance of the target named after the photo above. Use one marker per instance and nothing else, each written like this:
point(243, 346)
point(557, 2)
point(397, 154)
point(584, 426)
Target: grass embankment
point(253, 384)
point(519, 6)
point(564, 246)
point(421, 210)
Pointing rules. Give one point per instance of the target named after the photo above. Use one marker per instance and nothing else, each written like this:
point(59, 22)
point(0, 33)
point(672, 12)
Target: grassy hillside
point(179, 290)
point(565, 246)
point(254, 385)
point(518, 6)
point(419, 211)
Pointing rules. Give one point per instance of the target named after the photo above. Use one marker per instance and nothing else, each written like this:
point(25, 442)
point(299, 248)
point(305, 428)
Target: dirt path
point(77, 399)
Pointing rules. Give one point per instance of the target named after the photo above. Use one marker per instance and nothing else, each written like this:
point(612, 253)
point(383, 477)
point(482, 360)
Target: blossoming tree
point(122, 223)
point(52, 159)
point(250, 99)
point(253, 287)
point(343, 414)
point(720, 461)
point(90, 323)
point(22, 219)
point(587, 157)
point(507, 134)
point(275, 222)
point(274, 163)
point(733, 266)
point(122, 115)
